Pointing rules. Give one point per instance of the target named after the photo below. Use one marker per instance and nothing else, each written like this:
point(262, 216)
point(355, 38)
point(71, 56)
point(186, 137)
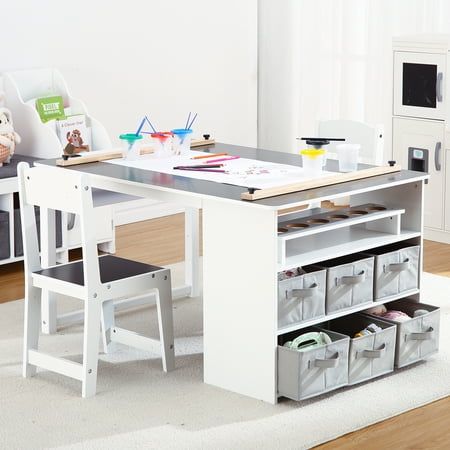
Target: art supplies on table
point(229, 158)
point(209, 155)
point(130, 144)
point(237, 171)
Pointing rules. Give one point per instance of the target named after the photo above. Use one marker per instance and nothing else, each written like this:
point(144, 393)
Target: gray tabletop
point(10, 170)
point(232, 192)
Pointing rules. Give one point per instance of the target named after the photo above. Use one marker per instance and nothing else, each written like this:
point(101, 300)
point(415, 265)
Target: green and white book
point(50, 108)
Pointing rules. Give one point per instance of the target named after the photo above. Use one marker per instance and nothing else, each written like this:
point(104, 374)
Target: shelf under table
point(323, 246)
point(345, 312)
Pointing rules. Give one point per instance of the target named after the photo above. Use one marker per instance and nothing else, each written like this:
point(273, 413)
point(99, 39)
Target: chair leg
point(165, 323)
point(108, 322)
point(92, 315)
point(32, 325)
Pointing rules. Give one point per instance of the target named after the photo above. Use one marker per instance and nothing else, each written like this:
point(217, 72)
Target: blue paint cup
point(181, 141)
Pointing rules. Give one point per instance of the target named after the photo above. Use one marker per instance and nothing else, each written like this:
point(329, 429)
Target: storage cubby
point(315, 371)
point(417, 337)
point(370, 355)
point(309, 237)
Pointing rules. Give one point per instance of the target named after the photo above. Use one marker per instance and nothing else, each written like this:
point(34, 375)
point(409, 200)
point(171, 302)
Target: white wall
point(339, 55)
point(163, 58)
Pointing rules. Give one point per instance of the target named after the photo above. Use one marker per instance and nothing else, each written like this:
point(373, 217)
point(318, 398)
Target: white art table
point(243, 252)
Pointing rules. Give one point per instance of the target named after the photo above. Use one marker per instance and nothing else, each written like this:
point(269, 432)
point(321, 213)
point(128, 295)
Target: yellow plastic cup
point(312, 160)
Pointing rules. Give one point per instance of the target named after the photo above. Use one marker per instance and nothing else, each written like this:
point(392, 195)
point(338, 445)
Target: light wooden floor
point(160, 242)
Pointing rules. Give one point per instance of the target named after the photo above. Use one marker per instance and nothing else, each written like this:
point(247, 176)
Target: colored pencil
point(211, 155)
point(200, 166)
point(223, 159)
point(203, 170)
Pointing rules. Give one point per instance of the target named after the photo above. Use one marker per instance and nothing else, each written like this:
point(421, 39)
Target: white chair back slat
point(29, 229)
point(64, 191)
point(91, 269)
point(370, 137)
point(52, 189)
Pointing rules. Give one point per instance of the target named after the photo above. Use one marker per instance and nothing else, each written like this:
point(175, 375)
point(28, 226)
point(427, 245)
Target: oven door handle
point(439, 80)
point(437, 156)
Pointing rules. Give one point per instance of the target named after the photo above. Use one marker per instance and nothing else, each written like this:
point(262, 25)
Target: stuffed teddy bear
point(8, 137)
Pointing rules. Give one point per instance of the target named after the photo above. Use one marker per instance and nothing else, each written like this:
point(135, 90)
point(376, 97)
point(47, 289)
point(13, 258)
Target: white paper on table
point(240, 172)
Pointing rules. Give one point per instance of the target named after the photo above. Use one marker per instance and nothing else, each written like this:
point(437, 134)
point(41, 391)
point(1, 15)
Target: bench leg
point(32, 325)
point(165, 322)
point(92, 316)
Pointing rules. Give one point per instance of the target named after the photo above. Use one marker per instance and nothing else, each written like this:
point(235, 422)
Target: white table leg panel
point(239, 295)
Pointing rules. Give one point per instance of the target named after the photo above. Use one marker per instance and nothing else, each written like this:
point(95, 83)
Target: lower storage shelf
point(354, 349)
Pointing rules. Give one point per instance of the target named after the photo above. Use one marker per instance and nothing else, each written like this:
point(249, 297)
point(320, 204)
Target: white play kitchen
point(421, 118)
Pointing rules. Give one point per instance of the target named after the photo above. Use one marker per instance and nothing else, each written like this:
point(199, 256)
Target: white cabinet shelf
point(345, 312)
point(336, 243)
point(344, 223)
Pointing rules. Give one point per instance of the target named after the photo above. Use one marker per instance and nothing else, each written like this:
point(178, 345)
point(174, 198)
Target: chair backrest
point(370, 137)
point(63, 190)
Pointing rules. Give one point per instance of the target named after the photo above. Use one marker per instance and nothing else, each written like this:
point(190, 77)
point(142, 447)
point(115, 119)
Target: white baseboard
point(143, 209)
point(437, 235)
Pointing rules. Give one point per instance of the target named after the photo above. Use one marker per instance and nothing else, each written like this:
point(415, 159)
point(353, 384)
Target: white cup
point(312, 165)
point(348, 157)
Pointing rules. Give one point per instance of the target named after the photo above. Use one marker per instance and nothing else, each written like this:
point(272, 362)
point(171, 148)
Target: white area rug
point(138, 406)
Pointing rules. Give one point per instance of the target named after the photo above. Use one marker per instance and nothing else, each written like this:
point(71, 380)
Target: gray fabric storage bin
point(306, 374)
point(4, 235)
point(301, 297)
point(396, 269)
point(349, 281)
point(18, 242)
point(369, 356)
point(418, 337)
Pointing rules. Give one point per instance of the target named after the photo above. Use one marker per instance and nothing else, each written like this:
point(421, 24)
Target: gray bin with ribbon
point(308, 373)
point(370, 355)
point(301, 297)
point(418, 337)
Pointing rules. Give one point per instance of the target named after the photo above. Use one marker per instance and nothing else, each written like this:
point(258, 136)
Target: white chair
point(95, 280)
point(370, 137)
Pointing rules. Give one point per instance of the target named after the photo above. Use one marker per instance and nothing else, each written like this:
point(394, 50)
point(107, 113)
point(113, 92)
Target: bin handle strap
point(423, 336)
point(302, 293)
point(354, 279)
point(327, 363)
point(378, 353)
point(397, 267)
